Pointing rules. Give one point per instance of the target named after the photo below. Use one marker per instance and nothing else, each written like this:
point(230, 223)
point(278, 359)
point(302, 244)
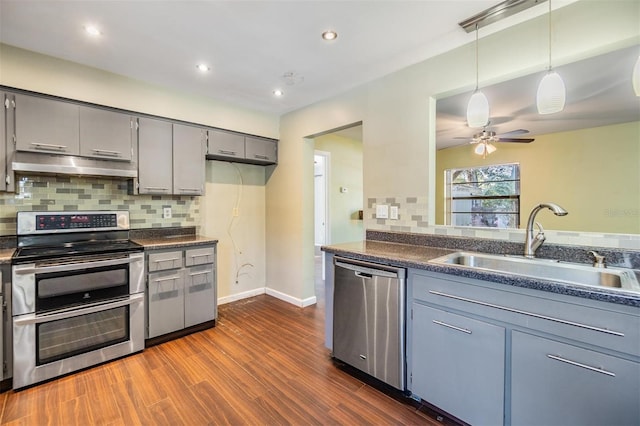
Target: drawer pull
point(444, 324)
point(156, 188)
point(159, 280)
point(579, 364)
point(200, 255)
point(531, 314)
point(189, 190)
point(106, 152)
point(166, 260)
point(222, 151)
point(195, 274)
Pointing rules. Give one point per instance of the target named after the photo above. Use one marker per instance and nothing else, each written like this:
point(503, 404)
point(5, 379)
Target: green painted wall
point(345, 171)
point(593, 173)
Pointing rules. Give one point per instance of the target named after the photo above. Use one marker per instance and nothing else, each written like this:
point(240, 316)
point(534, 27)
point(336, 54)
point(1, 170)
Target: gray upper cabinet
point(226, 144)
point(155, 153)
point(3, 143)
point(229, 146)
point(105, 134)
point(189, 144)
point(261, 150)
point(44, 125)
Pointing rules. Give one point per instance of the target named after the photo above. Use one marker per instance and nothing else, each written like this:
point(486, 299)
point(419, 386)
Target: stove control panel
point(47, 222)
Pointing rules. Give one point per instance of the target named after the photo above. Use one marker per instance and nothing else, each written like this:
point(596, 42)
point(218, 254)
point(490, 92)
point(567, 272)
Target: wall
point(345, 171)
point(32, 71)
point(398, 112)
point(234, 212)
point(566, 168)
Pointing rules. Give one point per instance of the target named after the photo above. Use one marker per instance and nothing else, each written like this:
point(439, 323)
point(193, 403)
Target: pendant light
point(551, 91)
point(478, 107)
point(636, 77)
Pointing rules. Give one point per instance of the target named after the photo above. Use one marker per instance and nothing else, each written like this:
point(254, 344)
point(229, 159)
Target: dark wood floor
point(264, 363)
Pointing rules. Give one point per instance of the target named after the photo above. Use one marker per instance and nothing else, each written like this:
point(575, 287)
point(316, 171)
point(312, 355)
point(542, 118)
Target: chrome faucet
point(532, 242)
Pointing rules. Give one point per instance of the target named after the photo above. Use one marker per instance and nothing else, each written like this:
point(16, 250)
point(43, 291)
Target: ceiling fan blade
point(518, 140)
point(514, 133)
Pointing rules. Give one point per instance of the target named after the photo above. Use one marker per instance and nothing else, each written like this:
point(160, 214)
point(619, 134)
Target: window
point(486, 196)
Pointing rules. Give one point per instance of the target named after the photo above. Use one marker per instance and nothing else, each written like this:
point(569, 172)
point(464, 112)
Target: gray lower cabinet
point(458, 365)
point(46, 125)
point(189, 151)
point(555, 383)
point(155, 156)
point(181, 289)
point(106, 134)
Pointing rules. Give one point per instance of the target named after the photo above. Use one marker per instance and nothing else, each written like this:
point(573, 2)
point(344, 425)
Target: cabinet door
point(105, 134)
point(188, 160)
point(199, 295)
point(554, 383)
point(225, 144)
point(155, 156)
point(458, 365)
point(166, 302)
point(261, 150)
point(44, 125)
point(3, 144)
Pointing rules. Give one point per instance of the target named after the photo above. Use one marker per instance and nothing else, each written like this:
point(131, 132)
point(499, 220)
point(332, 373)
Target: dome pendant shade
point(551, 94)
point(478, 110)
point(636, 77)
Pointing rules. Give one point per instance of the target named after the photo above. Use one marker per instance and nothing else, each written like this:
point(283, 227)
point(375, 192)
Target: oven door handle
point(28, 269)
point(76, 312)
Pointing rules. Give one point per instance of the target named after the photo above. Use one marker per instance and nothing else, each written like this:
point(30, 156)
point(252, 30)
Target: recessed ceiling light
point(203, 67)
point(329, 35)
point(92, 30)
point(278, 92)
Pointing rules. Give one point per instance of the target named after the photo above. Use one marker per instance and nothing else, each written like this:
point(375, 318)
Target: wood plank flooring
point(263, 364)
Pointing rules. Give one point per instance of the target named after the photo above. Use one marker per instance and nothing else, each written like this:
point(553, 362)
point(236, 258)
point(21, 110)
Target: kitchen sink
point(617, 278)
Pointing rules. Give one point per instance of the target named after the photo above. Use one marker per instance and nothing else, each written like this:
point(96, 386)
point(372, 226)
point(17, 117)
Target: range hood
point(28, 162)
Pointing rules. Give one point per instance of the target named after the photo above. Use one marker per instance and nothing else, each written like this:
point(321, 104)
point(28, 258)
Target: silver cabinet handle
point(222, 151)
point(161, 280)
point(444, 324)
point(261, 157)
point(49, 146)
point(166, 260)
point(156, 188)
point(200, 255)
point(531, 314)
point(190, 189)
point(194, 274)
point(107, 152)
point(581, 365)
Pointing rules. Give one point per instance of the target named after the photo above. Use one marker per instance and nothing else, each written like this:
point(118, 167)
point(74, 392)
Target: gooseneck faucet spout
point(532, 242)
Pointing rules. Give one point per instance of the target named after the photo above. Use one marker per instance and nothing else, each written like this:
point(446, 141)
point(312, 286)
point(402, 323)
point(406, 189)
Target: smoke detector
point(291, 78)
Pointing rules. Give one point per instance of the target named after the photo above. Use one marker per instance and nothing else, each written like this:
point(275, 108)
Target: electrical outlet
point(393, 213)
point(382, 211)
point(166, 212)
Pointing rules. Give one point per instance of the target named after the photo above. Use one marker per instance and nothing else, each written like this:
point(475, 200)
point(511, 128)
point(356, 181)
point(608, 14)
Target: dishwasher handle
point(369, 270)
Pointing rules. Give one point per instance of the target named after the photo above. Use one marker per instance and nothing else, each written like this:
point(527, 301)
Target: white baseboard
point(240, 296)
point(290, 299)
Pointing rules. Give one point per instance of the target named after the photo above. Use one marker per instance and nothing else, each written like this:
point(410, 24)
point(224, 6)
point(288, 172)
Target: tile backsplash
point(57, 193)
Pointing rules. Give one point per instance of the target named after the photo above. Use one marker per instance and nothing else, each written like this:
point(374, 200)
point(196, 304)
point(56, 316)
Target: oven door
point(55, 343)
point(77, 281)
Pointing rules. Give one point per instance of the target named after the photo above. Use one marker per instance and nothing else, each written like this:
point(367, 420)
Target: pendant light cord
point(549, 34)
point(477, 61)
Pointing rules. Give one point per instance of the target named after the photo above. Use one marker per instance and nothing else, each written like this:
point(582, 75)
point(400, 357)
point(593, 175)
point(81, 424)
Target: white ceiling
point(249, 45)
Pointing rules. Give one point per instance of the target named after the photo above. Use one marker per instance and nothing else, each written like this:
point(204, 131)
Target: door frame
point(327, 184)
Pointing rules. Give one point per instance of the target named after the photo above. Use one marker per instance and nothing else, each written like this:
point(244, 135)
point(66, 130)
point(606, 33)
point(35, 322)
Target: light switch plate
point(166, 212)
point(382, 211)
point(393, 213)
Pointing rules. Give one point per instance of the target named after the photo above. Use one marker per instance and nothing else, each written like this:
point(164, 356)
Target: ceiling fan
point(487, 138)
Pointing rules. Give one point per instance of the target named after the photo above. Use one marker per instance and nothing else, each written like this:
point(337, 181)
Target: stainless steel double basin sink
point(573, 273)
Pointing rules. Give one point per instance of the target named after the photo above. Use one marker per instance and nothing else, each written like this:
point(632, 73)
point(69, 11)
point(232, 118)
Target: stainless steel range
point(77, 293)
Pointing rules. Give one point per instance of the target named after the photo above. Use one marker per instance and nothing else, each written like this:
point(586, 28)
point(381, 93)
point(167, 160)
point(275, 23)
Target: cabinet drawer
point(553, 383)
point(548, 312)
point(200, 256)
point(164, 260)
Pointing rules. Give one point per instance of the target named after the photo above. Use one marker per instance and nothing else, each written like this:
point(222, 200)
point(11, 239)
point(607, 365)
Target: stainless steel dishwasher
point(369, 318)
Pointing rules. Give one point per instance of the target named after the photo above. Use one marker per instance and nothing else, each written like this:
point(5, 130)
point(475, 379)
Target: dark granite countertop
point(418, 256)
point(179, 241)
